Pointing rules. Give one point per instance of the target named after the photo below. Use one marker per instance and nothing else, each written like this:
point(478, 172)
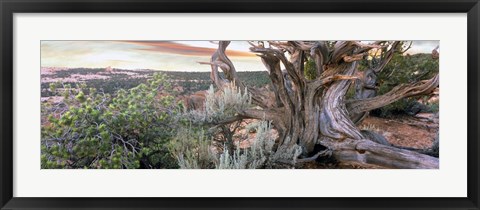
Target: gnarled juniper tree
point(312, 110)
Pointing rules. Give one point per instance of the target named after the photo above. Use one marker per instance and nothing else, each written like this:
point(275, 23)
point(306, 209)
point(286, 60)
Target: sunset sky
point(158, 55)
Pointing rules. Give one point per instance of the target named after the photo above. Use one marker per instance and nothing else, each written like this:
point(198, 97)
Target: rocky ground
point(417, 131)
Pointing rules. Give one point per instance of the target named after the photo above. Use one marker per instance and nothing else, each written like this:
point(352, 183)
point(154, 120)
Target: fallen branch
point(365, 151)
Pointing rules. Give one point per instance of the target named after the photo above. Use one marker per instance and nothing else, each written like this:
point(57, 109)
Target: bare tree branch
point(353, 58)
point(387, 57)
point(397, 93)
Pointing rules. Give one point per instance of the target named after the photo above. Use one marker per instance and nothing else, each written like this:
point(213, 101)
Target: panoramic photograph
point(252, 104)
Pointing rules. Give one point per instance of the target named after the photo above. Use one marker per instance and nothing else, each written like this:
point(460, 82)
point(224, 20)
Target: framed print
point(239, 105)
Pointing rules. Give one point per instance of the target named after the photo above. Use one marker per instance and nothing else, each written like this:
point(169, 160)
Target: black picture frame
point(10, 7)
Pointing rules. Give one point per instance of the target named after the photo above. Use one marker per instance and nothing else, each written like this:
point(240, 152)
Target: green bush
point(310, 70)
point(261, 153)
point(96, 130)
point(433, 107)
point(191, 147)
point(403, 70)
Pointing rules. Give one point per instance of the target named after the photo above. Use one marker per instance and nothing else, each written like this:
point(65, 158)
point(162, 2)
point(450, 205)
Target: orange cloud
point(182, 49)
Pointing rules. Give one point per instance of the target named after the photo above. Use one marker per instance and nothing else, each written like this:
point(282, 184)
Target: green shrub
point(221, 106)
point(433, 107)
point(191, 146)
point(96, 130)
point(310, 70)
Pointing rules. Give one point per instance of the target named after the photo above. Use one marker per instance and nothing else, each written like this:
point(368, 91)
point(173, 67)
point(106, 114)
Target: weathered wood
point(368, 152)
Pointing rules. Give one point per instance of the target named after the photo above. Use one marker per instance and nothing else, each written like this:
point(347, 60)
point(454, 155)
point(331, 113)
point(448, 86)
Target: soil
point(417, 131)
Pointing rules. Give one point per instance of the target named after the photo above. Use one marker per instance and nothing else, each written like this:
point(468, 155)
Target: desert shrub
point(433, 107)
point(261, 153)
point(253, 157)
point(196, 151)
point(222, 105)
point(127, 130)
point(219, 106)
point(191, 147)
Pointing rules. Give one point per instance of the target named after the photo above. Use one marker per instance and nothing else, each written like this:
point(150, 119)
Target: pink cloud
point(183, 49)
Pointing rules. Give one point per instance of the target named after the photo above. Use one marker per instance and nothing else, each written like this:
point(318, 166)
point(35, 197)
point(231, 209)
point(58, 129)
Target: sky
point(159, 55)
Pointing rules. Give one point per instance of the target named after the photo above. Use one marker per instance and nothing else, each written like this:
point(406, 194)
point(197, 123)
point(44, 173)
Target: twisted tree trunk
point(310, 112)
